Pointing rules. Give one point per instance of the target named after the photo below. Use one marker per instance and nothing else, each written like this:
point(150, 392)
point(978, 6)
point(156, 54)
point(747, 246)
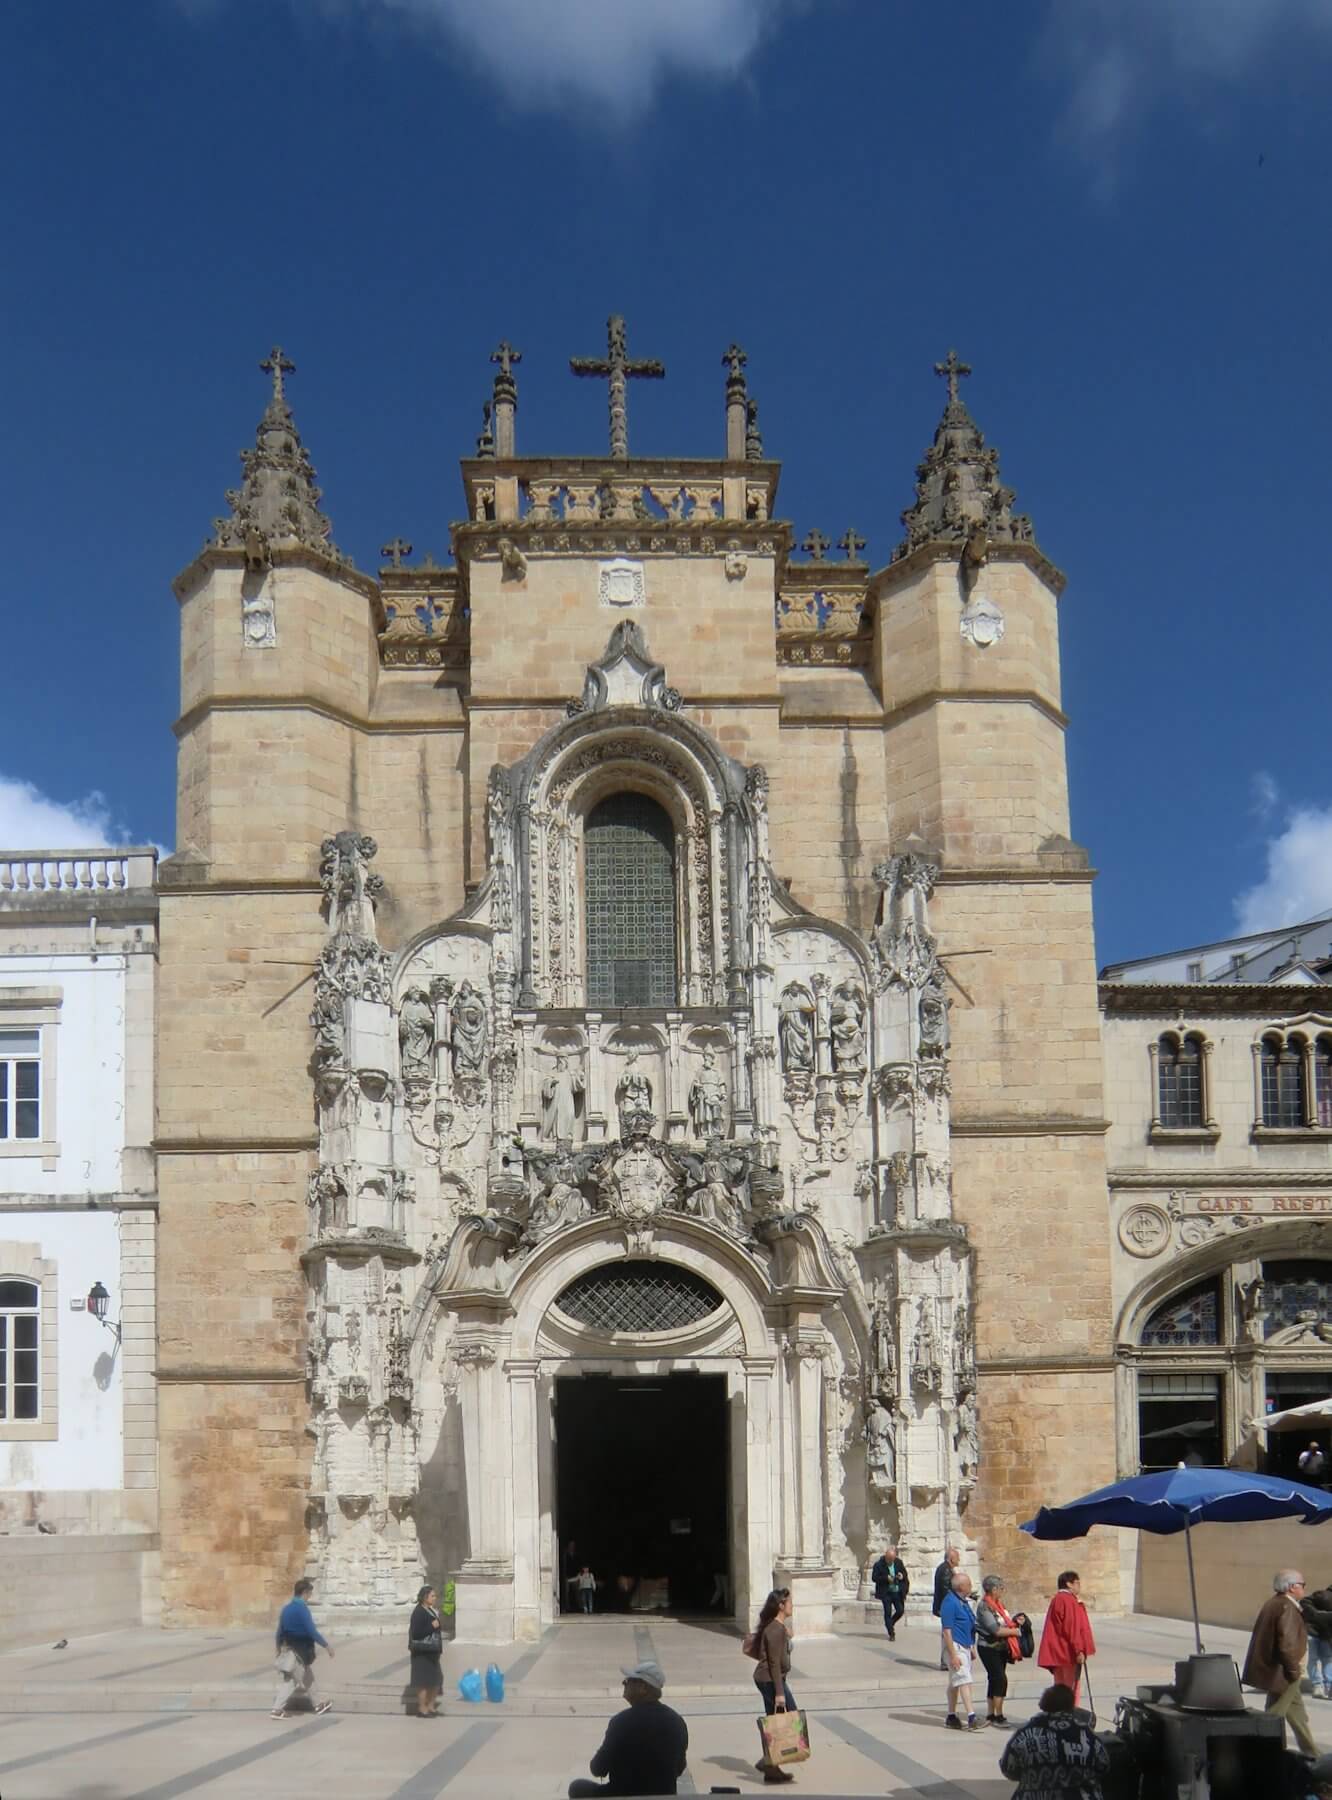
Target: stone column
point(485, 1588)
point(526, 1426)
point(756, 1524)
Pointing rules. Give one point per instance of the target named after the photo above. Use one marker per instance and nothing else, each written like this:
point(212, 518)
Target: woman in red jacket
point(1067, 1641)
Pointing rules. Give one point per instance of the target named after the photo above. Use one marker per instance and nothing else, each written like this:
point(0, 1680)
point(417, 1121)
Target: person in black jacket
point(892, 1584)
point(1317, 1610)
point(645, 1747)
point(426, 1644)
point(943, 1578)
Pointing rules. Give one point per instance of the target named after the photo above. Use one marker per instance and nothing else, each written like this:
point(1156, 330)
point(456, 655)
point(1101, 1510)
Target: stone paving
point(157, 1715)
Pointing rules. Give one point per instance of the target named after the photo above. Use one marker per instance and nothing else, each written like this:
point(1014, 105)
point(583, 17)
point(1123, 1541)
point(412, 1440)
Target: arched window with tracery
point(1179, 1076)
point(1283, 1079)
point(629, 902)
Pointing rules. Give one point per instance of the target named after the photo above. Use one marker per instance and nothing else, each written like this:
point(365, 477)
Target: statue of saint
point(707, 1100)
point(560, 1094)
point(932, 1012)
point(416, 1032)
point(846, 1027)
point(795, 1027)
point(633, 1092)
point(469, 1034)
point(880, 1445)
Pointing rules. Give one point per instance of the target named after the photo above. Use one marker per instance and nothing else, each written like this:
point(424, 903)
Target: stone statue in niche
point(561, 1092)
point(926, 1357)
point(932, 1013)
point(884, 1347)
point(633, 1097)
point(846, 1027)
point(707, 1100)
point(795, 1028)
point(416, 1033)
point(468, 1033)
point(966, 1440)
point(880, 1445)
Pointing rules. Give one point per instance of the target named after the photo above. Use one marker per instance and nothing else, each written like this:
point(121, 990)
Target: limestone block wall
point(62, 1586)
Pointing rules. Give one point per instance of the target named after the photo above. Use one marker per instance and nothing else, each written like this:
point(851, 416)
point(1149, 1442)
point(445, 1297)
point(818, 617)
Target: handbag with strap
point(785, 1737)
point(427, 1646)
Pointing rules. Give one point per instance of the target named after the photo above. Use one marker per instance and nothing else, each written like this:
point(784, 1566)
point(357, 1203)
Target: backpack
point(751, 1646)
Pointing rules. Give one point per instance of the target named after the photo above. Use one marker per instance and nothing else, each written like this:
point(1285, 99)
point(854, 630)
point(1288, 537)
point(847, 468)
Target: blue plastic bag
point(494, 1683)
point(469, 1685)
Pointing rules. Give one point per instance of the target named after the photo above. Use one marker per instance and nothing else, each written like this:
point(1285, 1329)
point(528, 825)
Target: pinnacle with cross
point(735, 360)
point(617, 369)
point(506, 356)
point(951, 368)
point(851, 543)
point(816, 544)
point(277, 365)
point(396, 551)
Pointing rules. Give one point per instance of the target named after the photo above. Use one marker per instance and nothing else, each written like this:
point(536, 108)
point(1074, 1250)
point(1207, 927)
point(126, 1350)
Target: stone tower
point(634, 962)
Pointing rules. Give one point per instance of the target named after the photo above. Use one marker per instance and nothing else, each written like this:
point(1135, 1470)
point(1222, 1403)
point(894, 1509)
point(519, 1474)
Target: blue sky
point(1116, 209)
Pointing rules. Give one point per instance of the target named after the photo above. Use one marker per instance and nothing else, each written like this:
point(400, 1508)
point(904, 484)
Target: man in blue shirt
point(297, 1635)
point(959, 1641)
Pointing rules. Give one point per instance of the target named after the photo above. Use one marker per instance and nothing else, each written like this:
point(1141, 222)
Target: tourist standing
point(297, 1635)
point(1317, 1610)
point(959, 1640)
point(997, 1635)
point(1275, 1661)
point(1066, 1639)
point(772, 1638)
point(586, 1584)
point(1313, 1464)
point(1055, 1753)
point(892, 1584)
point(645, 1747)
point(425, 1641)
point(943, 1577)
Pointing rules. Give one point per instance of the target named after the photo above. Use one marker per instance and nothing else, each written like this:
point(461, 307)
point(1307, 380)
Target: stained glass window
point(629, 857)
point(1192, 1317)
point(1179, 1071)
point(1297, 1294)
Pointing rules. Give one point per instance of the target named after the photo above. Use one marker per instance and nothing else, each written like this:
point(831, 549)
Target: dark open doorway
point(642, 1491)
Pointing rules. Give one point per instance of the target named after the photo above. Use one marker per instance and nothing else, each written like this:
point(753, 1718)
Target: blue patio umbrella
point(1173, 1500)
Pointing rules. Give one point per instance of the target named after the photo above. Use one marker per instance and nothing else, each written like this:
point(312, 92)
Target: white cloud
point(607, 55)
point(1297, 883)
point(1125, 56)
point(31, 820)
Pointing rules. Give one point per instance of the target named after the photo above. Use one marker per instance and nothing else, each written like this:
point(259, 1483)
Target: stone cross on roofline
point(506, 356)
point(816, 545)
point(951, 368)
point(617, 369)
point(277, 365)
point(396, 550)
point(852, 543)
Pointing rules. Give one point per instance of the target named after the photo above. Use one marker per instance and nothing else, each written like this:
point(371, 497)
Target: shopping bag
point(785, 1737)
point(287, 1662)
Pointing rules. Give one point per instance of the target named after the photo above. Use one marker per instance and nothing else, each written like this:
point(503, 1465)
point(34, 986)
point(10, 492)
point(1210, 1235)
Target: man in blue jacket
point(297, 1635)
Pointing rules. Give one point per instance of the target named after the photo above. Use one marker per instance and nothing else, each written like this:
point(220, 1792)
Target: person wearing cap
point(645, 1747)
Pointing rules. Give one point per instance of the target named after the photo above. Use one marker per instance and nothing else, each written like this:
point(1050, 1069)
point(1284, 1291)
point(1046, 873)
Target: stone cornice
point(479, 539)
point(1023, 874)
point(204, 1375)
point(1164, 1180)
point(950, 550)
point(986, 696)
point(1197, 999)
point(304, 703)
point(246, 1146)
point(284, 556)
point(1019, 1125)
point(1066, 1364)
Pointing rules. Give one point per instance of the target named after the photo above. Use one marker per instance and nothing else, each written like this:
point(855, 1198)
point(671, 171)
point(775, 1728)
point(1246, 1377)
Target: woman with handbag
point(425, 1640)
point(998, 1637)
point(772, 1642)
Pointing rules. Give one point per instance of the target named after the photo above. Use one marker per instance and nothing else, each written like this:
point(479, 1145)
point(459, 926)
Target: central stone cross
point(617, 369)
point(277, 365)
point(950, 368)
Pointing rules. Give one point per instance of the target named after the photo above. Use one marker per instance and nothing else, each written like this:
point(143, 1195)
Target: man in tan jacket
point(1275, 1662)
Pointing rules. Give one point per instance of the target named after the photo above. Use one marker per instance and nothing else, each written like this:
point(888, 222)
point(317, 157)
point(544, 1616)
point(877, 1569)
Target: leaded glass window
point(639, 1296)
point(1295, 1294)
point(1283, 1083)
point(629, 872)
point(1179, 1072)
point(1192, 1317)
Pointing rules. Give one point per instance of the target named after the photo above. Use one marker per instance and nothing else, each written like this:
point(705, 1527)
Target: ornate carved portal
point(486, 1134)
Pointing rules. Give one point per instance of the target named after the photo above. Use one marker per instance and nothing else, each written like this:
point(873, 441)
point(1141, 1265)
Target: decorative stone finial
point(735, 360)
point(394, 551)
point(816, 546)
point(616, 368)
point(753, 436)
point(485, 443)
point(959, 495)
point(277, 501)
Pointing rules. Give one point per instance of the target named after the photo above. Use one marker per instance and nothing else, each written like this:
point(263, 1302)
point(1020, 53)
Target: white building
point(78, 1414)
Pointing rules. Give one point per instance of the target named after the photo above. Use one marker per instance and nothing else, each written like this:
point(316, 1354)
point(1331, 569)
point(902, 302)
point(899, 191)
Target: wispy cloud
point(596, 57)
point(1297, 881)
point(31, 820)
point(1121, 58)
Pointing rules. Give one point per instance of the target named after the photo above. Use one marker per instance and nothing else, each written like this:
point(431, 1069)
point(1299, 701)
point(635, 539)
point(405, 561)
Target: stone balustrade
point(76, 871)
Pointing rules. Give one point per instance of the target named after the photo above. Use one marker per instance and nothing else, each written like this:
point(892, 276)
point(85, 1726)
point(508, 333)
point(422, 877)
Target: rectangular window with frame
point(20, 1368)
point(20, 1085)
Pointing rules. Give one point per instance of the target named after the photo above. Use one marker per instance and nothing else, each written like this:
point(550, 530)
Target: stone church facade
point(627, 1014)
